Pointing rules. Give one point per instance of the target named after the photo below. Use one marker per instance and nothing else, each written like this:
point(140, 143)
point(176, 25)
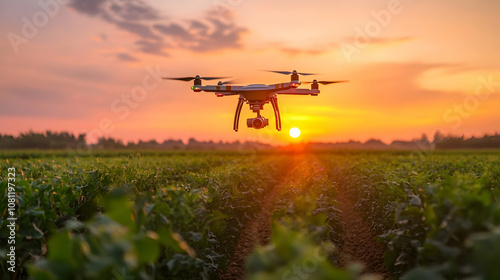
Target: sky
point(94, 67)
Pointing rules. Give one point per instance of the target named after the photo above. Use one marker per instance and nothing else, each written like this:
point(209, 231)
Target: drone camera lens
point(258, 122)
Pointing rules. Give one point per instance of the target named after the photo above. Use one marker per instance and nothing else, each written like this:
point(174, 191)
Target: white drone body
point(256, 95)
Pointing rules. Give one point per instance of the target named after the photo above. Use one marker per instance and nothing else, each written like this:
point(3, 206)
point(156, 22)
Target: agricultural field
point(269, 215)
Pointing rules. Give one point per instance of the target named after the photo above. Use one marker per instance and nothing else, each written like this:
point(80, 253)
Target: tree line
point(65, 140)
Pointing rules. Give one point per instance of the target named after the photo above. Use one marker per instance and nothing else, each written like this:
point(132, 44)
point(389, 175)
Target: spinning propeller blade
point(327, 82)
point(213, 78)
point(289, 73)
point(187, 79)
point(229, 82)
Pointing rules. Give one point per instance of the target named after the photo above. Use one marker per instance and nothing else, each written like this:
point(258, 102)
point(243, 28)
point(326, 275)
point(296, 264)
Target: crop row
point(437, 214)
point(179, 216)
point(172, 217)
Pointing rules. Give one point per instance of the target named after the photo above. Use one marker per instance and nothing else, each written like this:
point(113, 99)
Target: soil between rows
point(255, 232)
point(359, 243)
point(359, 240)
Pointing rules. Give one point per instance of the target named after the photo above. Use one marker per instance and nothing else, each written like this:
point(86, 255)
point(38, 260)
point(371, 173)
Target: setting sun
point(294, 132)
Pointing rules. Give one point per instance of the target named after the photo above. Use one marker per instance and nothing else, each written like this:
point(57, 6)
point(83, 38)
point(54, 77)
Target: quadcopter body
point(257, 95)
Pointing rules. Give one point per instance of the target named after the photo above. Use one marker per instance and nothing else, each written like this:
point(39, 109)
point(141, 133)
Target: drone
point(256, 95)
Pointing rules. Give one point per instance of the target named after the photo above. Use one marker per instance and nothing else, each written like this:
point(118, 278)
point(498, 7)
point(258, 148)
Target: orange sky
point(415, 67)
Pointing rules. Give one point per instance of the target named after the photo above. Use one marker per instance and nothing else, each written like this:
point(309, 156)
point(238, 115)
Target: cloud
point(89, 7)
point(174, 30)
point(126, 57)
point(156, 34)
point(133, 10)
point(199, 38)
point(199, 26)
point(152, 47)
point(223, 36)
point(136, 28)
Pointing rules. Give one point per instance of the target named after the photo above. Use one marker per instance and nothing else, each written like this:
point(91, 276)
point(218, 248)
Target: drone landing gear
point(274, 102)
point(256, 106)
point(241, 100)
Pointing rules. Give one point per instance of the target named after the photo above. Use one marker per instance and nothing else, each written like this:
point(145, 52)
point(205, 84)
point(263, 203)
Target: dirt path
point(359, 240)
point(256, 232)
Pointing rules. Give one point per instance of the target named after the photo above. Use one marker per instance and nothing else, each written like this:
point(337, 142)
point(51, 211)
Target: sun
point(294, 132)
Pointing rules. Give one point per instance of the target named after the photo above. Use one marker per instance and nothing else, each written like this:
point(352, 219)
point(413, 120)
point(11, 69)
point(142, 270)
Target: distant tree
point(438, 137)
point(109, 143)
point(424, 138)
point(47, 140)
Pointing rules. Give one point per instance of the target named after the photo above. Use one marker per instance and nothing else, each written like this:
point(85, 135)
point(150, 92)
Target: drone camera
point(258, 122)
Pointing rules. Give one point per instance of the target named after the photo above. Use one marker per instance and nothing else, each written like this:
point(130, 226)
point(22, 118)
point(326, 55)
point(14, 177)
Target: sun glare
point(294, 132)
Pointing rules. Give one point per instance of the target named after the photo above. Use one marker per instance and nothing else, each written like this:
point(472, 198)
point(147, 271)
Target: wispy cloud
point(126, 57)
point(152, 46)
point(156, 34)
point(133, 10)
point(210, 35)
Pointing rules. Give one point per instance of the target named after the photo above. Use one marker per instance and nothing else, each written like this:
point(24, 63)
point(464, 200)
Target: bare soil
point(359, 239)
point(255, 232)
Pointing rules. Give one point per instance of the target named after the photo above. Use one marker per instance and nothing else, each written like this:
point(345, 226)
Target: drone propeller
point(187, 79)
point(289, 73)
point(326, 82)
point(228, 82)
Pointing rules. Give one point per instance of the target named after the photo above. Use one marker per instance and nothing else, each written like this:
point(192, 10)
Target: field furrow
point(358, 239)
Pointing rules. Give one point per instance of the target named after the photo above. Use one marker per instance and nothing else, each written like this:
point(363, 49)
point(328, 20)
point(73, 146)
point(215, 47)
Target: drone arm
point(299, 91)
point(241, 100)
point(274, 102)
